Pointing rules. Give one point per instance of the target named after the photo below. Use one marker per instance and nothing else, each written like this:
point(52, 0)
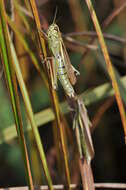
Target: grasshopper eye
point(55, 28)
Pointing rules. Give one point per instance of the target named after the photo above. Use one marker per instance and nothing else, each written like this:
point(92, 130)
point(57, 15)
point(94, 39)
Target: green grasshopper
point(66, 73)
point(61, 66)
point(62, 69)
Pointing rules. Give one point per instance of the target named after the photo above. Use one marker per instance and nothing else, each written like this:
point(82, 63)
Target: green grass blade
point(31, 115)
point(12, 88)
point(89, 97)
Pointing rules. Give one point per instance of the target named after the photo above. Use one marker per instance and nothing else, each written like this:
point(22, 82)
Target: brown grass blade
point(81, 125)
point(87, 176)
point(52, 92)
point(106, 23)
point(108, 64)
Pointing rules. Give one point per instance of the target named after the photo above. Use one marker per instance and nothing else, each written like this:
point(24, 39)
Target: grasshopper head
point(53, 31)
point(54, 38)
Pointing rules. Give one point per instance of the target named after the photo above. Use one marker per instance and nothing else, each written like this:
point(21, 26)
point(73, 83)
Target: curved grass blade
point(108, 64)
point(31, 116)
point(12, 88)
point(89, 97)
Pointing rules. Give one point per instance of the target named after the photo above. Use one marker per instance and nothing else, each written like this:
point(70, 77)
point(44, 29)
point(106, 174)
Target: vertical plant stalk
point(31, 117)
point(52, 92)
point(12, 88)
point(109, 64)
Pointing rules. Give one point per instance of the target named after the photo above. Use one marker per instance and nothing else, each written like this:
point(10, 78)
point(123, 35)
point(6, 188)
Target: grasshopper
point(62, 69)
point(61, 66)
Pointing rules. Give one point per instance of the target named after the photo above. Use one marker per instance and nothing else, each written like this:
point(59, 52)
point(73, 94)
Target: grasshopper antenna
point(54, 19)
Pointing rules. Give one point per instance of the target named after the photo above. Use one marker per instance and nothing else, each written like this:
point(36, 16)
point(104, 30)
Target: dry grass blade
point(101, 110)
point(108, 63)
point(106, 23)
point(94, 34)
point(81, 44)
point(115, 12)
point(87, 176)
point(52, 92)
point(81, 125)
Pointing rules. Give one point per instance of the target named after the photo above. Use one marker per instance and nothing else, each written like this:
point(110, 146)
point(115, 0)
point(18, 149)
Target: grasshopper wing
point(71, 71)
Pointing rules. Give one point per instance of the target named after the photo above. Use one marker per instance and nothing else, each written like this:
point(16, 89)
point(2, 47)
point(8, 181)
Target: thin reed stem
point(108, 64)
point(52, 92)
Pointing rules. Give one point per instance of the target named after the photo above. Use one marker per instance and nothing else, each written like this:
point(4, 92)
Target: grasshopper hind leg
point(52, 67)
